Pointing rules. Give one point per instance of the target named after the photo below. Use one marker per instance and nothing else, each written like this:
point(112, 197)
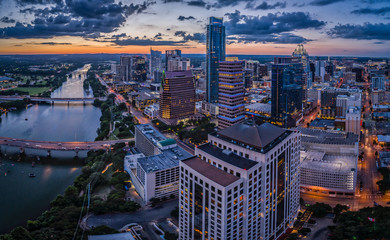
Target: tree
point(320, 209)
point(20, 233)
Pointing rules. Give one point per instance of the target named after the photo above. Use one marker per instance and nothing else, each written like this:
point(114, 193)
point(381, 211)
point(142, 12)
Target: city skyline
point(326, 27)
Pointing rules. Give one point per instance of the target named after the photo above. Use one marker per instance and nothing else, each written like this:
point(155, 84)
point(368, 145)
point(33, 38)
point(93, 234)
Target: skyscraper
point(215, 47)
point(243, 184)
point(301, 53)
point(286, 92)
point(155, 65)
point(171, 54)
point(124, 69)
point(138, 69)
point(231, 93)
point(177, 99)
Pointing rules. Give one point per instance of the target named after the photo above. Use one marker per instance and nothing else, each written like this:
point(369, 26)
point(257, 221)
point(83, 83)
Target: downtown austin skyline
point(326, 27)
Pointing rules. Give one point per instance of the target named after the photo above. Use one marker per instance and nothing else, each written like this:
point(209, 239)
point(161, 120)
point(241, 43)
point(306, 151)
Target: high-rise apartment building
point(215, 47)
point(231, 93)
point(286, 92)
point(243, 184)
point(177, 98)
point(301, 53)
point(378, 82)
point(123, 71)
point(155, 65)
point(171, 54)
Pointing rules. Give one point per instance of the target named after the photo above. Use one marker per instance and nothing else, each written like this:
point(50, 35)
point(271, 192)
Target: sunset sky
point(327, 27)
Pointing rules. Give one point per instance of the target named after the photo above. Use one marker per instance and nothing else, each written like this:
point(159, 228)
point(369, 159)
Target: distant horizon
point(50, 54)
point(270, 27)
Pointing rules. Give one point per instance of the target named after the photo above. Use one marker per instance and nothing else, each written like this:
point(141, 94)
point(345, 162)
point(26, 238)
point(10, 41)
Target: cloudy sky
point(327, 27)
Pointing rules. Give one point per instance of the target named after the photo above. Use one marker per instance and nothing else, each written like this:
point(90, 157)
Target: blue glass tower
point(287, 93)
point(216, 52)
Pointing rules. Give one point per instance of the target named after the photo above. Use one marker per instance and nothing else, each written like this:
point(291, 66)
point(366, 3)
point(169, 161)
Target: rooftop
point(256, 136)
point(116, 236)
point(333, 163)
point(322, 123)
point(167, 159)
point(151, 133)
point(209, 171)
point(178, 74)
point(228, 156)
point(384, 138)
point(327, 137)
point(259, 107)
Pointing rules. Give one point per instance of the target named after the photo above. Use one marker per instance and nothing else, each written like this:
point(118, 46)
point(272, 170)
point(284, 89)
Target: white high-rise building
point(243, 184)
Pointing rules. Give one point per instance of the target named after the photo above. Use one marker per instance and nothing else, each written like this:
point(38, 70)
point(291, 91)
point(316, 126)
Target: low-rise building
point(156, 175)
point(152, 111)
point(328, 162)
point(145, 99)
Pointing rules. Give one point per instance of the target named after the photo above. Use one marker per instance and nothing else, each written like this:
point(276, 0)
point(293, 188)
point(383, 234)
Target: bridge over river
point(52, 100)
point(59, 146)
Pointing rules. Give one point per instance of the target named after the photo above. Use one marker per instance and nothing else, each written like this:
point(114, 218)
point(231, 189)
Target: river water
point(21, 197)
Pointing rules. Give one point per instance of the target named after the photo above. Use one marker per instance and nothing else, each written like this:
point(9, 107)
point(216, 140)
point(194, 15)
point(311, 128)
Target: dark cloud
point(34, 2)
point(145, 42)
point(324, 2)
point(182, 18)
point(54, 43)
point(366, 31)
point(197, 37)
point(374, 11)
point(266, 6)
point(231, 3)
point(272, 27)
point(269, 24)
point(86, 18)
point(282, 38)
point(197, 3)
point(7, 20)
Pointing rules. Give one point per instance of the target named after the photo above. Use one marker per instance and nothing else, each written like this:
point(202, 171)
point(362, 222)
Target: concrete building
point(243, 184)
point(352, 120)
point(152, 111)
point(231, 93)
point(328, 162)
point(378, 82)
point(157, 174)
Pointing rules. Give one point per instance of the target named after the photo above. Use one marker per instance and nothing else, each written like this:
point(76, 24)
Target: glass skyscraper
point(286, 92)
point(216, 52)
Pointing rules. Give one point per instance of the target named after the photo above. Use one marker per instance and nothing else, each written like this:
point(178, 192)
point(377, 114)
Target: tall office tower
point(378, 82)
point(359, 73)
point(286, 93)
point(243, 184)
point(301, 53)
point(177, 98)
point(254, 66)
point(124, 69)
point(176, 63)
point(155, 65)
point(215, 47)
point(171, 54)
point(138, 69)
point(320, 69)
point(231, 93)
point(329, 68)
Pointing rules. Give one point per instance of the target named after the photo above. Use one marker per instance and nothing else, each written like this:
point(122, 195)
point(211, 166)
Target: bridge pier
point(49, 153)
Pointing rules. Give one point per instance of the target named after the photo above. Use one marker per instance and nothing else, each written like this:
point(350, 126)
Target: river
point(24, 198)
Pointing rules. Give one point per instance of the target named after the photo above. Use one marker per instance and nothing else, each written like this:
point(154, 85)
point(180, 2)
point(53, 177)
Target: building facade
point(243, 184)
point(155, 65)
point(287, 92)
point(231, 93)
point(215, 47)
point(177, 98)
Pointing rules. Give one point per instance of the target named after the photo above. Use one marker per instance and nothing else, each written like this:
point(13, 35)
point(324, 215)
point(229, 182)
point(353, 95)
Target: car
point(14, 139)
point(63, 148)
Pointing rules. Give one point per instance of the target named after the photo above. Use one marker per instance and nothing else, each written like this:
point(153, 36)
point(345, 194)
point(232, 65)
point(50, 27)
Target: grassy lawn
point(33, 91)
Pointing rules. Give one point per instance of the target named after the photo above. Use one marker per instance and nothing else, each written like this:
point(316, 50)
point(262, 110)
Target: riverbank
point(63, 216)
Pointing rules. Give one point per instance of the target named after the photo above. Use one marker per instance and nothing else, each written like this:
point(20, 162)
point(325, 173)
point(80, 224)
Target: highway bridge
point(59, 146)
point(52, 100)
